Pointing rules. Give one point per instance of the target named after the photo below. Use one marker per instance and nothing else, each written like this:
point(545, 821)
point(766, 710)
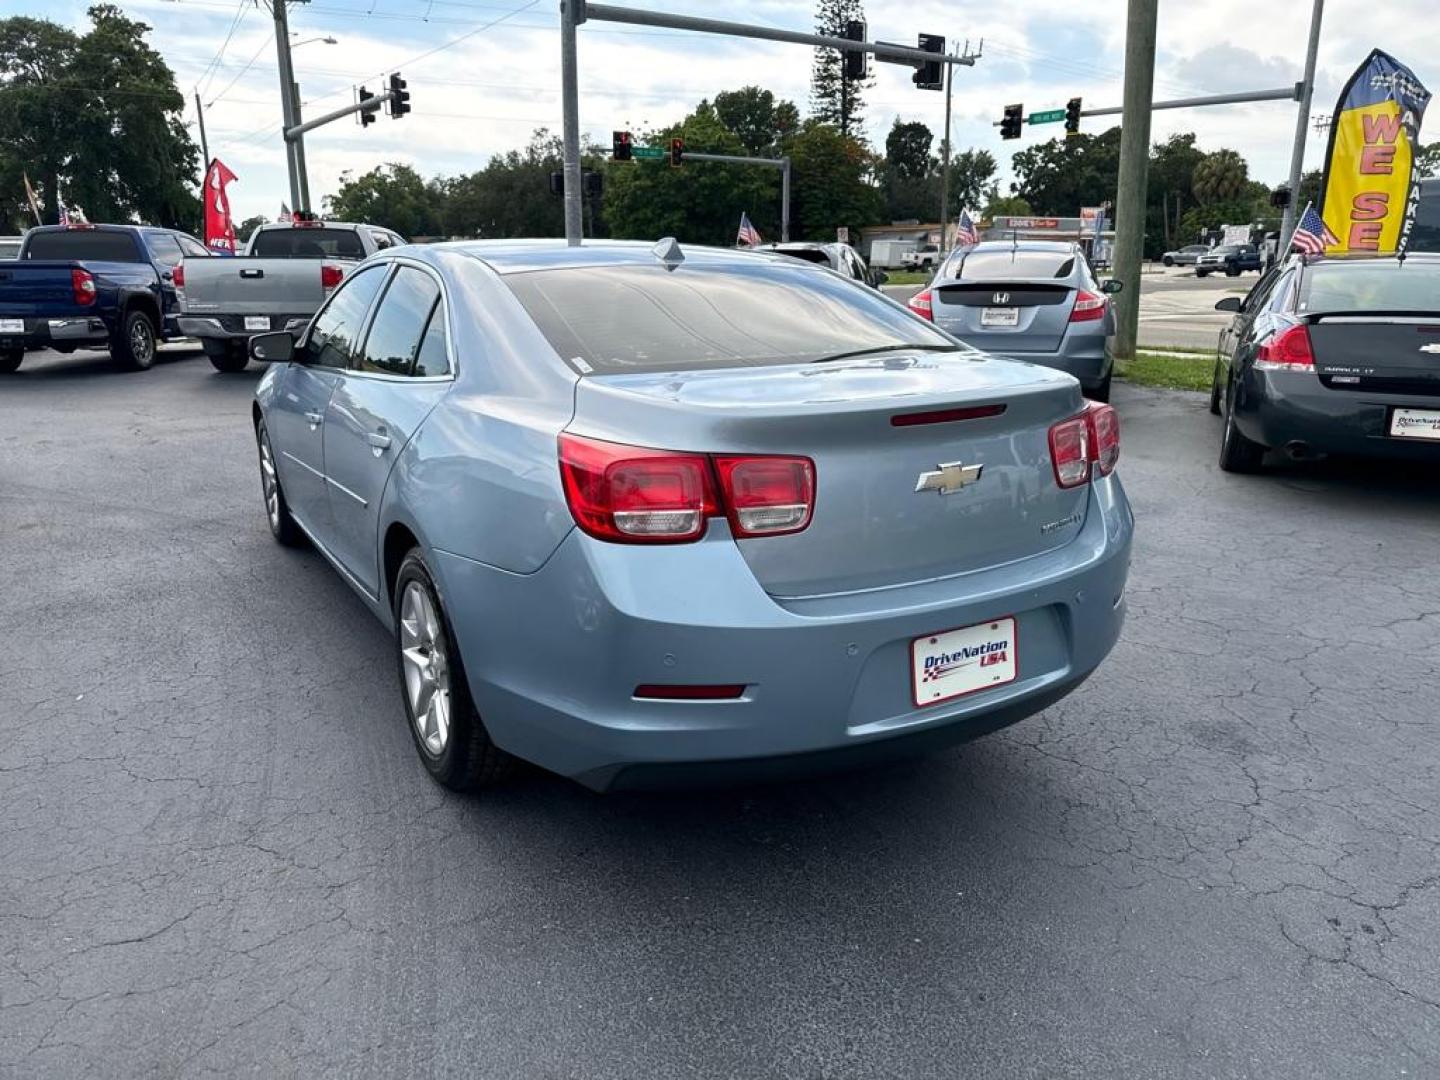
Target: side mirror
point(1110, 286)
point(276, 348)
point(1228, 303)
point(880, 277)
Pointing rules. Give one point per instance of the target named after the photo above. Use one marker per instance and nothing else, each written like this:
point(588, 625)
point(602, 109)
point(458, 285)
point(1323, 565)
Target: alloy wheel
point(269, 482)
point(427, 668)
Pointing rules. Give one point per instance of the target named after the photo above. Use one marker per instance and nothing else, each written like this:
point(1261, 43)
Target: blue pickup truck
point(92, 287)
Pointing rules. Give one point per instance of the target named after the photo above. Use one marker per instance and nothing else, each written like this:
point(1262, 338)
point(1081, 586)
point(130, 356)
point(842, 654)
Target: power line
point(240, 10)
point(241, 73)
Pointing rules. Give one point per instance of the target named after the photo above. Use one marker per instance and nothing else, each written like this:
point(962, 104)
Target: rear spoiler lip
point(1009, 283)
point(1370, 315)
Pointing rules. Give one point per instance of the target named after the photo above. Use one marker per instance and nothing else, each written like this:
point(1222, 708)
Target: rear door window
point(165, 249)
point(399, 323)
point(638, 317)
point(307, 243)
point(434, 355)
point(95, 245)
point(1413, 285)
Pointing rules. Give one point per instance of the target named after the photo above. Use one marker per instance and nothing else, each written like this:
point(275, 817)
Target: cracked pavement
point(219, 855)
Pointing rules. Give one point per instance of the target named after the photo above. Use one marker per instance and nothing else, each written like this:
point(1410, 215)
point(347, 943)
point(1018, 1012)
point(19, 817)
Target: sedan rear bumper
point(1293, 410)
point(1086, 356)
point(554, 657)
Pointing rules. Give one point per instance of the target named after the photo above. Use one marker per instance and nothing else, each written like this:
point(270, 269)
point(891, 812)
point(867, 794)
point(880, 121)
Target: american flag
point(748, 236)
point(1311, 235)
point(965, 231)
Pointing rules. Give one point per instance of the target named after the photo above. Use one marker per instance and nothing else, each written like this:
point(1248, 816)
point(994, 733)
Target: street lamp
point(327, 39)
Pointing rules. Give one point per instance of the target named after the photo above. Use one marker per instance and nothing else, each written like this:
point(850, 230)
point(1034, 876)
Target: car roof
point(515, 256)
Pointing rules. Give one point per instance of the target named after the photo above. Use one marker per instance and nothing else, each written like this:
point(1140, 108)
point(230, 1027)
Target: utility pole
point(300, 172)
point(290, 109)
point(945, 157)
point(1134, 160)
point(570, 102)
point(204, 146)
point(1297, 155)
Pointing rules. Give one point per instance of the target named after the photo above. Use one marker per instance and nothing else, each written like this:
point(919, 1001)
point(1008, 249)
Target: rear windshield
point(308, 244)
point(1379, 286)
point(86, 244)
point(1007, 265)
point(609, 319)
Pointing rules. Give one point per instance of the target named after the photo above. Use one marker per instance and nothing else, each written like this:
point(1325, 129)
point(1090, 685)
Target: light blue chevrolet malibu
point(647, 514)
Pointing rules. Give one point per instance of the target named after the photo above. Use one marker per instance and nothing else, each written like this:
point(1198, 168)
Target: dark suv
point(1231, 258)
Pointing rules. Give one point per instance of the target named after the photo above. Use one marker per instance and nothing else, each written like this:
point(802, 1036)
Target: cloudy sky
point(484, 73)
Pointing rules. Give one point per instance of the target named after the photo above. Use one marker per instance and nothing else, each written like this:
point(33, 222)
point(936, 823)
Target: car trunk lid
point(1006, 317)
point(869, 425)
point(1392, 353)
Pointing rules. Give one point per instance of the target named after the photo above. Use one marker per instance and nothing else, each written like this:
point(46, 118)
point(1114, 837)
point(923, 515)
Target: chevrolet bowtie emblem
point(950, 478)
point(1430, 348)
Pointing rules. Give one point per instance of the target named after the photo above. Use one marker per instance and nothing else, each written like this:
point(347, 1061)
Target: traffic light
point(400, 103)
point(930, 75)
point(857, 64)
point(367, 116)
point(592, 184)
point(1011, 122)
point(1280, 197)
point(620, 146)
point(677, 152)
point(1072, 117)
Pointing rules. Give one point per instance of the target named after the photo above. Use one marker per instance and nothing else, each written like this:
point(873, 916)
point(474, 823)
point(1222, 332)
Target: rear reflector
point(920, 304)
point(330, 276)
point(1288, 350)
point(1104, 437)
point(177, 276)
point(661, 692)
point(1088, 307)
point(633, 494)
point(945, 416)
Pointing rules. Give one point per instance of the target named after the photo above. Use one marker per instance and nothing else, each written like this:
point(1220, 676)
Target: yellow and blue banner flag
point(1368, 200)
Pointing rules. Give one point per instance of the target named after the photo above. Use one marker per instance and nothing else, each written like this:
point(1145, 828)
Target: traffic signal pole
point(294, 151)
point(1134, 160)
point(575, 12)
point(1302, 120)
point(783, 164)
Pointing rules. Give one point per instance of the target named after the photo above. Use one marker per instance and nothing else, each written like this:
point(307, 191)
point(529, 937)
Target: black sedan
point(1332, 356)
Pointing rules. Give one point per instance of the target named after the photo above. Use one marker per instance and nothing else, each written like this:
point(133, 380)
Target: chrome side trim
point(303, 465)
point(341, 487)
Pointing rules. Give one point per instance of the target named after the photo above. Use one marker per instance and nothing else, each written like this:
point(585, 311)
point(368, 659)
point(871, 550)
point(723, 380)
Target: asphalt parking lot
point(1219, 858)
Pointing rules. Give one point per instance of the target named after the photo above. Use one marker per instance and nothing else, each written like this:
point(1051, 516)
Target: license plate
point(12, 326)
point(257, 322)
point(1415, 424)
point(1000, 316)
point(957, 662)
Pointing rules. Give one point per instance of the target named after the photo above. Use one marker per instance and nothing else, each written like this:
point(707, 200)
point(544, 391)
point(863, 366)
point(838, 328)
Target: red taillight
point(1070, 452)
point(1088, 307)
point(177, 276)
point(82, 287)
point(330, 276)
point(1104, 437)
point(767, 496)
point(945, 416)
point(921, 305)
point(634, 494)
point(1093, 437)
point(1287, 351)
point(668, 692)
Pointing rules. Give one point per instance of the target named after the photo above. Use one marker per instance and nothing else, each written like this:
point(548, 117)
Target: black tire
point(1237, 453)
point(1202, 273)
point(134, 346)
point(1215, 389)
point(282, 525)
point(234, 358)
point(1168, 261)
point(466, 760)
point(10, 361)
point(1232, 271)
point(1101, 392)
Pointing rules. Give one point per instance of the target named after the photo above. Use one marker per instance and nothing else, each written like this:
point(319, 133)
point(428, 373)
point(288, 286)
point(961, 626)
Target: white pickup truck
point(285, 273)
point(924, 257)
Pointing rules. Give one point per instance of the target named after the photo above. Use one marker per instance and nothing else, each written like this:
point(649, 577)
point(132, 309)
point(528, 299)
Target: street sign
point(1049, 116)
point(655, 152)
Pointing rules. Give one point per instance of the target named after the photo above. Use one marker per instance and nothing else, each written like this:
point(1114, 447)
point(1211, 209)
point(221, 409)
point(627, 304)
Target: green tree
point(835, 99)
point(248, 226)
point(1060, 176)
point(700, 202)
point(1170, 190)
point(759, 121)
point(95, 118)
point(511, 197)
point(1427, 160)
point(831, 183)
point(1220, 177)
point(1309, 191)
point(907, 150)
point(1006, 206)
point(972, 178)
point(391, 195)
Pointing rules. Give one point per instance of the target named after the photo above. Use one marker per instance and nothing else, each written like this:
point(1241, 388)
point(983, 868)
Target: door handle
point(378, 440)
point(315, 418)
